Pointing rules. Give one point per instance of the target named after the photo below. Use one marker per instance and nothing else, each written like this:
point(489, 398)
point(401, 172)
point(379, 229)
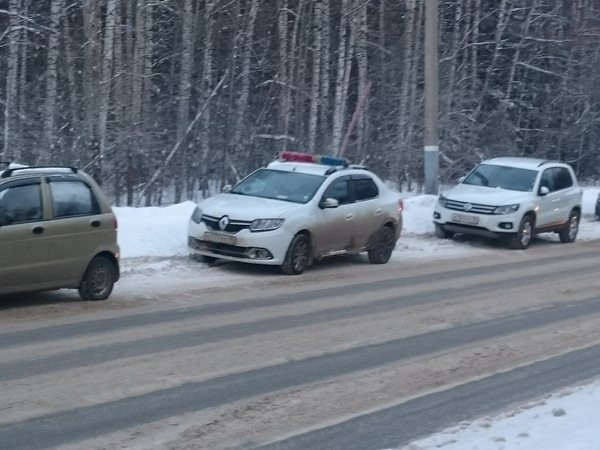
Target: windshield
point(293, 187)
point(504, 177)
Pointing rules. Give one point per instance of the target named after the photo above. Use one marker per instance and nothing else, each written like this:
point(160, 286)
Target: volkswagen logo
point(467, 207)
point(223, 223)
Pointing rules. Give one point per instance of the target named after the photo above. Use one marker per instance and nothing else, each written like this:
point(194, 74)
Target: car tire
point(98, 280)
point(522, 238)
point(383, 247)
point(569, 232)
point(297, 255)
point(441, 233)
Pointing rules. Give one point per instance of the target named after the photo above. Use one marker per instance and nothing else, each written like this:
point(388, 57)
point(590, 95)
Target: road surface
point(348, 355)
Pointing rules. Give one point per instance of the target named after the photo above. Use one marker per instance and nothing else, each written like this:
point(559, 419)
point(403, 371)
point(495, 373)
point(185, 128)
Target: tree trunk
point(12, 146)
point(50, 137)
point(316, 76)
point(183, 108)
point(341, 86)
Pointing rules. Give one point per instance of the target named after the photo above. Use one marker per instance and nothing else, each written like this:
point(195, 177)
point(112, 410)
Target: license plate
point(220, 238)
point(465, 219)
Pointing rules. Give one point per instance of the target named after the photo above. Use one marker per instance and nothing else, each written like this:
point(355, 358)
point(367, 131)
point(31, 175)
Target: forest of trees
point(162, 99)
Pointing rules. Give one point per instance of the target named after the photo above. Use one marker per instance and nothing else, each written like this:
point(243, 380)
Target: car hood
point(245, 207)
point(485, 195)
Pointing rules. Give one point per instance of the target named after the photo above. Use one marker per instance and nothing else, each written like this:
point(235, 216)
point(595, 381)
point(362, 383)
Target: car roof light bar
point(317, 159)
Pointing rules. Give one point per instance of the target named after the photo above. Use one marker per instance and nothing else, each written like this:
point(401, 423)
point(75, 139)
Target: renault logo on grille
point(223, 222)
point(467, 207)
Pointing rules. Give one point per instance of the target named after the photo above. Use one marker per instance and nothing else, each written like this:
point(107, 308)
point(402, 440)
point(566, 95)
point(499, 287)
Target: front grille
point(212, 223)
point(474, 207)
point(218, 248)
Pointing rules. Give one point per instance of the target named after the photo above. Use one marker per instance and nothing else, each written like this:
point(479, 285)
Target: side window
point(21, 203)
point(338, 190)
point(562, 178)
point(72, 198)
point(365, 189)
point(547, 180)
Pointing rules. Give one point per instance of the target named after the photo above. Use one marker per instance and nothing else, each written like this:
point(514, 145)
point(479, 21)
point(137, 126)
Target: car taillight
point(116, 224)
point(400, 204)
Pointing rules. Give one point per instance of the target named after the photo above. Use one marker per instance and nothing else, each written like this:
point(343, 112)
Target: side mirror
point(461, 179)
point(226, 188)
point(544, 191)
point(329, 203)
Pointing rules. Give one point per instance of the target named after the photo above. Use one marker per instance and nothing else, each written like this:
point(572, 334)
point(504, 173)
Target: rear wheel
point(569, 232)
point(383, 247)
point(521, 239)
point(98, 280)
point(297, 256)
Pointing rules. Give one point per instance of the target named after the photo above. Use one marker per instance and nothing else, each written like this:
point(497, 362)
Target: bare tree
point(12, 146)
point(50, 111)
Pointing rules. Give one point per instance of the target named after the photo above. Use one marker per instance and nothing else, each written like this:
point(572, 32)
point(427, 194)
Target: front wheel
point(521, 239)
point(383, 247)
point(569, 232)
point(98, 280)
point(441, 233)
point(297, 255)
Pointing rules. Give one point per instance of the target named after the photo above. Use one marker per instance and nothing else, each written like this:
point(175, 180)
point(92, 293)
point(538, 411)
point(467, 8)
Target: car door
point(369, 215)
point(565, 191)
point(552, 204)
point(77, 229)
point(25, 259)
point(334, 227)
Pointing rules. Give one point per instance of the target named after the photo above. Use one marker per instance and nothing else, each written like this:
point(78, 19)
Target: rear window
point(365, 189)
point(72, 198)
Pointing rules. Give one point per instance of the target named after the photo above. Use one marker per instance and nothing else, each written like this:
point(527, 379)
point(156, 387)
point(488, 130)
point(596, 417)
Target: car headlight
point(442, 200)
point(506, 209)
point(265, 224)
point(197, 215)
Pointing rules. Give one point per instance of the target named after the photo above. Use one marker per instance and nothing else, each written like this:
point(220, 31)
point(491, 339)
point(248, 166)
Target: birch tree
point(341, 80)
point(12, 146)
point(185, 79)
point(246, 42)
point(316, 75)
point(50, 112)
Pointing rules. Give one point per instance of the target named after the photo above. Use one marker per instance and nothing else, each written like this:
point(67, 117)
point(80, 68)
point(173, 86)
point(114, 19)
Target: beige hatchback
point(57, 230)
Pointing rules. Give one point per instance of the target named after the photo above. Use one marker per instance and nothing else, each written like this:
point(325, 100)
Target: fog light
point(436, 215)
point(259, 253)
point(505, 225)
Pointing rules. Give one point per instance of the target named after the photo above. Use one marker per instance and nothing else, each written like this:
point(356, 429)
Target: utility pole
point(431, 158)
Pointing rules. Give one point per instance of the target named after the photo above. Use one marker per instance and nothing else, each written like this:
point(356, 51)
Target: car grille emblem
point(223, 222)
point(468, 207)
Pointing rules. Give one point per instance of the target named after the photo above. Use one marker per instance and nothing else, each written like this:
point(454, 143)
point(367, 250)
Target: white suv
point(512, 198)
point(298, 209)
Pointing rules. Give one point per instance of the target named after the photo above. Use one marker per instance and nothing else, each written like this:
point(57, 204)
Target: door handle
point(37, 230)
point(95, 223)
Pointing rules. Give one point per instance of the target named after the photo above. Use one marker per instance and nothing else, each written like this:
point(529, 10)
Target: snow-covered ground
point(153, 251)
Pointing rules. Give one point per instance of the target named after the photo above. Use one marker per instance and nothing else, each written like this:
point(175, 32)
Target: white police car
point(298, 209)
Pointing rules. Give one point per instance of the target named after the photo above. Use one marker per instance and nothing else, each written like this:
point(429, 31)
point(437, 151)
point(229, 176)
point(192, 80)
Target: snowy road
point(348, 355)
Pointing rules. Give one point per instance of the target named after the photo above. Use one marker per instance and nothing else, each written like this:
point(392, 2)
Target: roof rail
point(9, 172)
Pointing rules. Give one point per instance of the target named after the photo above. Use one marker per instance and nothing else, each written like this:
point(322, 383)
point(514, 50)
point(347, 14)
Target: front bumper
point(267, 247)
point(489, 225)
